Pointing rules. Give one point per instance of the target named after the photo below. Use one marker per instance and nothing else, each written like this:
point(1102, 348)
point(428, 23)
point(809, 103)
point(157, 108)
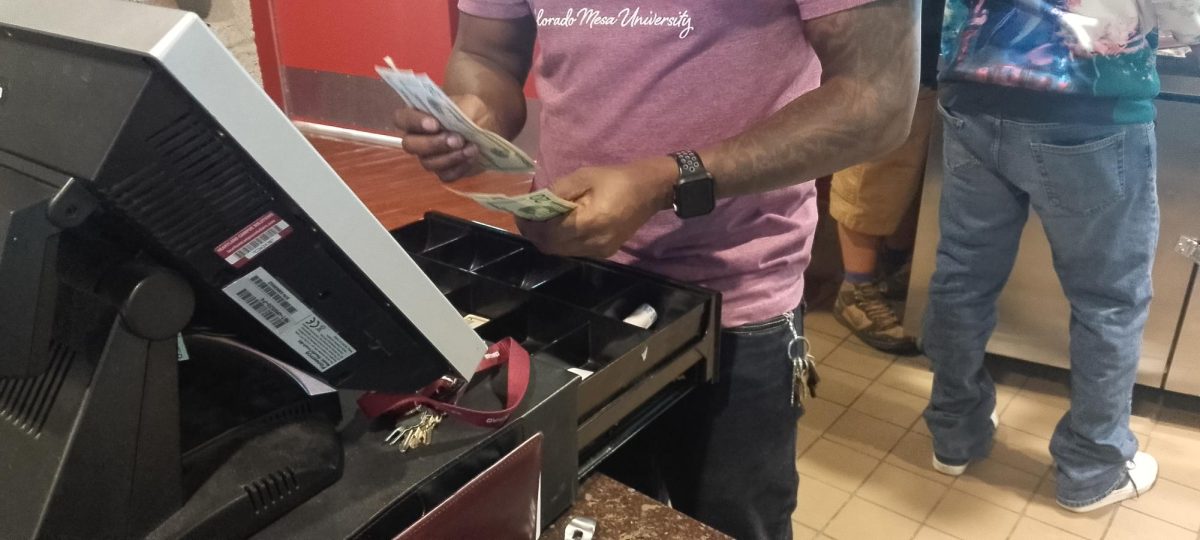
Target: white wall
point(230, 21)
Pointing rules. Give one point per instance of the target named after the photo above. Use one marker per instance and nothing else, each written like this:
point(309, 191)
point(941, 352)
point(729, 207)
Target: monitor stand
point(92, 444)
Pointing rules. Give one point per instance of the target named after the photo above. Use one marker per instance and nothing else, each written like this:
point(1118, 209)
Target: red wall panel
point(352, 36)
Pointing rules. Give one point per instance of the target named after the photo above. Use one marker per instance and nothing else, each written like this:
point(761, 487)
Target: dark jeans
point(726, 454)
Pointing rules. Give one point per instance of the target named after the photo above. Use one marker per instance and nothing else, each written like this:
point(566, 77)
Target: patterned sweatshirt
point(1097, 57)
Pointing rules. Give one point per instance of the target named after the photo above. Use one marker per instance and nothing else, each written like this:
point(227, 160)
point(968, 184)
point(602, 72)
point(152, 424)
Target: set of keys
point(804, 370)
point(415, 429)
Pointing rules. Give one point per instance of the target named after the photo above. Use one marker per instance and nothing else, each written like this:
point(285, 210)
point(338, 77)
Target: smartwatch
point(695, 191)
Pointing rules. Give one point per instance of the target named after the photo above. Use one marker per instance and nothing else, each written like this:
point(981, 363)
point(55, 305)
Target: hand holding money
point(540, 205)
point(447, 154)
point(446, 138)
point(445, 134)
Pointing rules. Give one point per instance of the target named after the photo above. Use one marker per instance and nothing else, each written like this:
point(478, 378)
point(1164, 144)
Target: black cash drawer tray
point(570, 312)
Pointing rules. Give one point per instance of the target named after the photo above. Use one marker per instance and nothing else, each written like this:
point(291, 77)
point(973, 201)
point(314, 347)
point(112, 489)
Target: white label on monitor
point(269, 301)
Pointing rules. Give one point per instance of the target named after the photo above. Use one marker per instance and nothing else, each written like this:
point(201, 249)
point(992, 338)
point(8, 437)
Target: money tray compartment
point(473, 251)
point(536, 324)
point(528, 268)
point(487, 299)
point(445, 277)
point(569, 313)
point(611, 350)
point(680, 315)
point(425, 235)
point(587, 286)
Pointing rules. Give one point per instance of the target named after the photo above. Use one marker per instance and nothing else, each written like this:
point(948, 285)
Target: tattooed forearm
point(863, 108)
point(491, 59)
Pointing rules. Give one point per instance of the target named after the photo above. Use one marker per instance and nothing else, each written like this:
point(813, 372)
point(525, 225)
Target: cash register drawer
point(570, 312)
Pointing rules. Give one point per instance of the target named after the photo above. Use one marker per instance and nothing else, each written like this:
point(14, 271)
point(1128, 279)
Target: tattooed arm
point(863, 108)
point(485, 78)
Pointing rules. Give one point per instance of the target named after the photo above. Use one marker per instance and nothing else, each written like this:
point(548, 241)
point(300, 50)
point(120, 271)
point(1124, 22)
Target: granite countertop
point(622, 513)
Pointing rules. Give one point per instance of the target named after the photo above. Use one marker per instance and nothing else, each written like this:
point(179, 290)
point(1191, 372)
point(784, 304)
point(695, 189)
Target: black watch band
point(695, 191)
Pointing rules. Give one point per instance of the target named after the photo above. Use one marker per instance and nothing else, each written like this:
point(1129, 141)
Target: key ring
point(805, 347)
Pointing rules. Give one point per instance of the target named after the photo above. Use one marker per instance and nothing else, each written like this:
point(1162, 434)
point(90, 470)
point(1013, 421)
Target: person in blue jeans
point(1050, 109)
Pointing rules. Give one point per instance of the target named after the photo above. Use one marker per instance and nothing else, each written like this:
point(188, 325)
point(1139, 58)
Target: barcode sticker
point(254, 239)
point(273, 305)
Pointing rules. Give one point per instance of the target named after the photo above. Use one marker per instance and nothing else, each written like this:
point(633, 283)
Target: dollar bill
point(540, 205)
point(421, 93)
point(475, 321)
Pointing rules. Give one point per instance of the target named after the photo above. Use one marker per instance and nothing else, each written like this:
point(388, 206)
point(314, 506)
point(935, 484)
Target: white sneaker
point(959, 468)
point(1142, 471)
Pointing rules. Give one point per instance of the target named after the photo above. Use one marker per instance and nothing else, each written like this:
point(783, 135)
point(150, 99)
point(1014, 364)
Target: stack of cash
point(495, 152)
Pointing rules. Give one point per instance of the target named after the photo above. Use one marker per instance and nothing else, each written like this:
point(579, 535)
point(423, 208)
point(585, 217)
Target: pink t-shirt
point(620, 82)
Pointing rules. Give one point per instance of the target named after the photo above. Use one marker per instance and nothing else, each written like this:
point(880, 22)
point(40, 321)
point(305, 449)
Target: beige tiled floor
point(864, 455)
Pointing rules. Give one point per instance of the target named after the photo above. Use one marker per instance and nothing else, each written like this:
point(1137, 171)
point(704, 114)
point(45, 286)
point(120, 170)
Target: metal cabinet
point(1184, 375)
point(1033, 311)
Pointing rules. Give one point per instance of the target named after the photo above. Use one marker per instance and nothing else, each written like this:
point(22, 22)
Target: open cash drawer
point(571, 312)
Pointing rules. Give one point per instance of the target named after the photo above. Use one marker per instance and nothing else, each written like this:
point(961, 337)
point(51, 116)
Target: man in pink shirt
point(722, 111)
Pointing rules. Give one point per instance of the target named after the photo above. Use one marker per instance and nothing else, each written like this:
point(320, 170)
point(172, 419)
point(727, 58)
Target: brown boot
point(863, 309)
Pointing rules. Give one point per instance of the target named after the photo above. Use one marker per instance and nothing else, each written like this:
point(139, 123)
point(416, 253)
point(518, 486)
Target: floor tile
point(914, 453)
point(1180, 411)
point(1004, 396)
point(1185, 424)
point(836, 465)
point(1032, 529)
point(910, 376)
point(859, 360)
point(839, 386)
point(821, 345)
point(1056, 393)
point(1171, 502)
point(802, 532)
point(823, 322)
point(929, 533)
point(998, 483)
point(903, 492)
point(805, 438)
point(1031, 416)
point(820, 413)
point(1021, 450)
point(817, 502)
point(868, 435)
point(968, 516)
point(1178, 457)
point(1045, 508)
point(887, 403)
point(863, 520)
point(1141, 426)
point(1006, 373)
point(921, 427)
point(1133, 525)
point(1145, 413)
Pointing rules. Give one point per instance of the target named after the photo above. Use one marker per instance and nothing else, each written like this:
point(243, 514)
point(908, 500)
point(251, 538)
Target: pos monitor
point(144, 177)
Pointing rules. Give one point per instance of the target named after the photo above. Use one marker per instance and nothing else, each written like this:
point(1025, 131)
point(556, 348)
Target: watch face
point(695, 197)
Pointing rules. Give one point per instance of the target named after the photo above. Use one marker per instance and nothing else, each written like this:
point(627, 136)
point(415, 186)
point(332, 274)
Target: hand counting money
point(495, 153)
point(540, 205)
point(421, 93)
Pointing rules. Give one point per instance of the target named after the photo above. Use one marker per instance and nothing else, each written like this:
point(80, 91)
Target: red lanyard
point(507, 351)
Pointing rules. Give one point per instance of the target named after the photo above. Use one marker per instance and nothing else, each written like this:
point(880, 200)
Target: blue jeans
point(726, 454)
point(1093, 186)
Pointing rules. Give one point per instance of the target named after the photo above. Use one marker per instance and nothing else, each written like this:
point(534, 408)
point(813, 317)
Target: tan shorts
point(872, 198)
